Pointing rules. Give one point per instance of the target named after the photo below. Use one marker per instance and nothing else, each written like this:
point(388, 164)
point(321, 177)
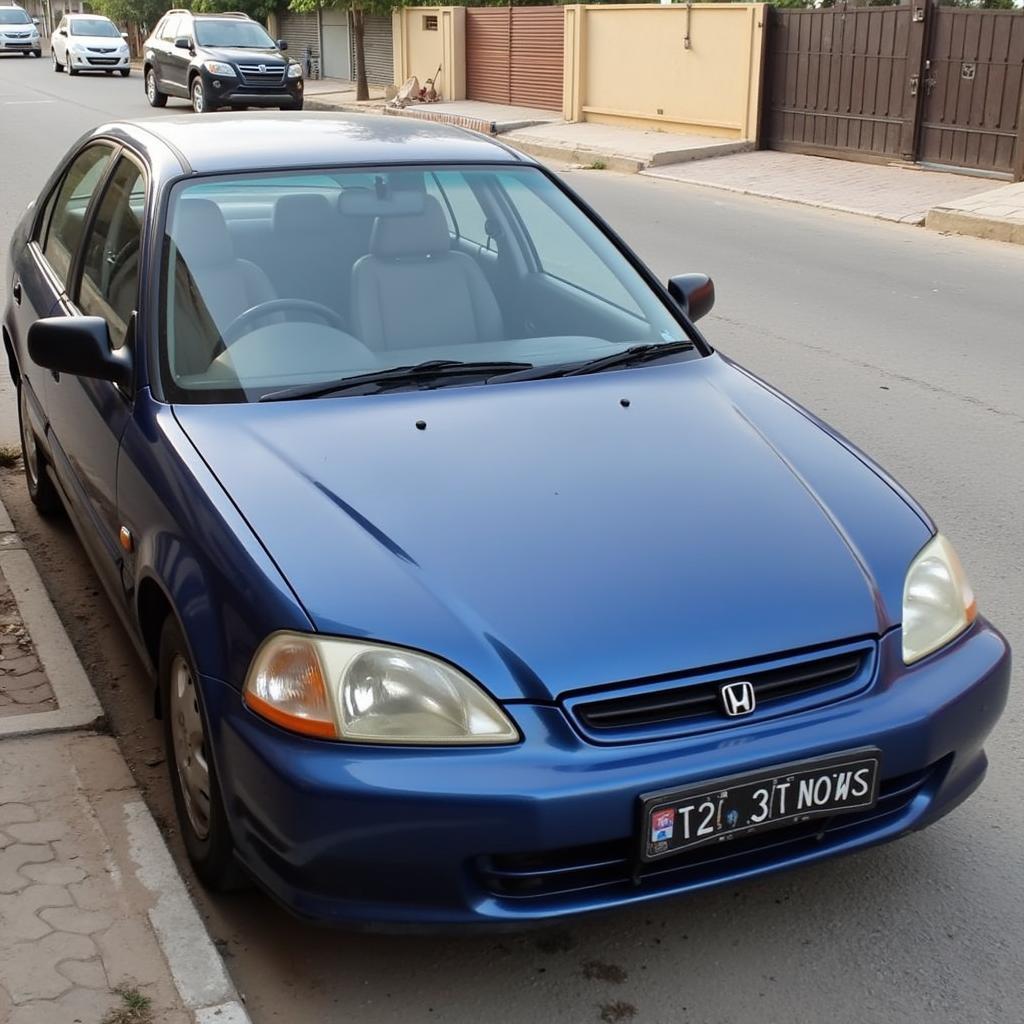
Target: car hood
point(246, 55)
point(546, 537)
point(107, 42)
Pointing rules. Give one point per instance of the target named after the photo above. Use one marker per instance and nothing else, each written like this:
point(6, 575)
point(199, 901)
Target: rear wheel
point(204, 825)
point(153, 94)
point(40, 487)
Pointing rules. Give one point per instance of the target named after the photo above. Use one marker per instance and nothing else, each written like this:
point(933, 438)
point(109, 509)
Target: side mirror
point(79, 345)
point(282, 44)
point(124, 36)
point(35, 21)
point(62, 31)
point(695, 293)
point(183, 43)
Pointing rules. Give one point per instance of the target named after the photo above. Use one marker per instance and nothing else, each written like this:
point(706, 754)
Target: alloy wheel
point(189, 740)
point(198, 96)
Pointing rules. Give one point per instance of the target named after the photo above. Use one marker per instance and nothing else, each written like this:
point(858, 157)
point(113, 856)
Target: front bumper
point(19, 45)
point(234, 92)
point(99, 61)
point(353, 834)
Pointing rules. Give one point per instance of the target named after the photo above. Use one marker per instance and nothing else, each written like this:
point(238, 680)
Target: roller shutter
point(300, 32)
point(377, 43)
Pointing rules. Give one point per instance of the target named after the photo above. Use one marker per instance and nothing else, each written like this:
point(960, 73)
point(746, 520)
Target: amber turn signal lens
point(288, 689)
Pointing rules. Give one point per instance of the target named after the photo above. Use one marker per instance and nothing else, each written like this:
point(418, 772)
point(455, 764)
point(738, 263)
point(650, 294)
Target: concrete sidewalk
point(889, 192)
point(997, 213)
point(96, 925)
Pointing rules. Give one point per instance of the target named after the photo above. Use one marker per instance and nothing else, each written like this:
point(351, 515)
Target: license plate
point(674, 820)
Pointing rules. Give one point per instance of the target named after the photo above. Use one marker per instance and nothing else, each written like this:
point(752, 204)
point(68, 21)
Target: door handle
point(914, 80)
point(16, 291)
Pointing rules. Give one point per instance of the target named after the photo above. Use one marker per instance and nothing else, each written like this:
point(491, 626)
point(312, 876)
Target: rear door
point(87, 417)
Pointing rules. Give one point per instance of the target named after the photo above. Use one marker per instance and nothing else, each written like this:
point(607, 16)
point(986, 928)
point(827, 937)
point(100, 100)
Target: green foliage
point(144, 13)
point(258, 9)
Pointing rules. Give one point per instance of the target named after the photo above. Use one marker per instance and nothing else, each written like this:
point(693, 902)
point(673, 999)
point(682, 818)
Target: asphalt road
point(910, 343)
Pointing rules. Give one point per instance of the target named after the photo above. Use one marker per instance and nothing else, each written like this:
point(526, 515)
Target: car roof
point(224, 143)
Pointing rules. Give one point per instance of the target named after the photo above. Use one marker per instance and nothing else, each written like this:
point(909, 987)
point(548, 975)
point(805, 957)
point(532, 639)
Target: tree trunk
point(358, 27)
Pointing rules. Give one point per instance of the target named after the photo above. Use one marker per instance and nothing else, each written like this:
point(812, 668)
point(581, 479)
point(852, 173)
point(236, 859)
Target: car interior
point(390, 269)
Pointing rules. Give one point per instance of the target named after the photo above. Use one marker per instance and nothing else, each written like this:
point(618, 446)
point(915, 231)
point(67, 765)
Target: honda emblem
point(737, 698)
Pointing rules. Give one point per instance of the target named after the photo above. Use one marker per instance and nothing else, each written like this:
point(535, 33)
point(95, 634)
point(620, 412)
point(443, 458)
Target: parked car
point(89, 42)
point(478, 587)
point(18, 32)
point(222, 60)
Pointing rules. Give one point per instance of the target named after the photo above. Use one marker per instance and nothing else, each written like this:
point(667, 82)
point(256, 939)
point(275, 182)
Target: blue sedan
point(478, 588)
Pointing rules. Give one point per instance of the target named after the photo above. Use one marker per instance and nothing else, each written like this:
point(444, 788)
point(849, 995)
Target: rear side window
point(64, 231)
point(110, 264)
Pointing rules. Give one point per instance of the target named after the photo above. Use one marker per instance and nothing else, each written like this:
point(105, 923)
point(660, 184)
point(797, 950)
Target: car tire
point(109, 72)
point(200, 101)
point(153, 94)
point(57, 66)
point(293, 106)
point(70, 70)
point(125, 72)
point(41, 488)
point(37, 53)
point(201, 815)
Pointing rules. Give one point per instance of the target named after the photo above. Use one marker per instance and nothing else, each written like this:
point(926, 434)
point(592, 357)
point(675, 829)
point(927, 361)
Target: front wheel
point(201, 815)
point(200, 104)
point(110, 72)
point(293, 106)
point(57, 66)
point(40, 487)
point(70, 70)
point(37, 53)
point(153, 94)
point(125, 72)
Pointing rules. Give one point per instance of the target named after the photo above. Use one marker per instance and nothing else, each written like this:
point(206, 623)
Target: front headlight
point(369, 693)
point(938, 603)
point(294, 70)
point(216, 67)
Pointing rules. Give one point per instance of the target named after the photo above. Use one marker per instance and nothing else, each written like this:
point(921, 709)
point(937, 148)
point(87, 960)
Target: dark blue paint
point(538, 535)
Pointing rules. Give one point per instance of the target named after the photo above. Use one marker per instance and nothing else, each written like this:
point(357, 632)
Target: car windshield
point(230, 32)
point(14, 16)
point(94, 27)
point(278, 281)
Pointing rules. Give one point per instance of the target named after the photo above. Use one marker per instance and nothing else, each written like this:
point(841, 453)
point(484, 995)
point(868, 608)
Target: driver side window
point(110, 265)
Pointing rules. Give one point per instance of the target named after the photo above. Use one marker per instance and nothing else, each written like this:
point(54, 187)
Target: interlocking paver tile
point(29, 969)
point(51, 874)
point(80, 1005)
point(37, 831)
point(84, 973)
point(13, 814)
point(71, 919)
point(19, 858)
point(19, 913)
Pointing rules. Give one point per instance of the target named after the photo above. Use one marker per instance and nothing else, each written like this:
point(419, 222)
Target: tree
point(258, 9)
point(358, 9)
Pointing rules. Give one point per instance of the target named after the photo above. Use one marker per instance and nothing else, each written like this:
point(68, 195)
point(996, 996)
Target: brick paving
point(888, 192)
point(73, 919)
point(24, 688)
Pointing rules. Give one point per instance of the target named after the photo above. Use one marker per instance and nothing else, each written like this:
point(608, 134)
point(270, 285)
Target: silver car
point(19, 32)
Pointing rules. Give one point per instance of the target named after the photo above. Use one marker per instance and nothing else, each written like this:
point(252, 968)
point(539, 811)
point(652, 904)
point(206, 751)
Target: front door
point(87, 417)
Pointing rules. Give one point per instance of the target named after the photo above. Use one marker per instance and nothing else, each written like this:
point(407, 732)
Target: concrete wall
point(673, 68)
point(418, 50)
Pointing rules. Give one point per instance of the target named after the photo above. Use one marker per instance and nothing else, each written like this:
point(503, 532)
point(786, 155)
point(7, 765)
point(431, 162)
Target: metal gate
point(918, 82)
point(377, 49)
point(515, 55)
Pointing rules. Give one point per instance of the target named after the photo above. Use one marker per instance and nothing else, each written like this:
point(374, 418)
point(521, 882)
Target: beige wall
point(630, 65)
point(418, 51)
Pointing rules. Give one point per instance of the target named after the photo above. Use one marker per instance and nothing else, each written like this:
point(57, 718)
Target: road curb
point(196, 967)
point(961, 222)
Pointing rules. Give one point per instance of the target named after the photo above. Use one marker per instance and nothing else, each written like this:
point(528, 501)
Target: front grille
point(102, 49)
point(270, 75)
point(607, 866)
point(675, 707)
point(102, 61)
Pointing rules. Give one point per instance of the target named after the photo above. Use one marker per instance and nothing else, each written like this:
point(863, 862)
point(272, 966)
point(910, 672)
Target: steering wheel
point(244, 321)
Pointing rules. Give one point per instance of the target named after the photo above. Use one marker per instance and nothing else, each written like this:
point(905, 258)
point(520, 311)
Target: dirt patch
point(598, 970)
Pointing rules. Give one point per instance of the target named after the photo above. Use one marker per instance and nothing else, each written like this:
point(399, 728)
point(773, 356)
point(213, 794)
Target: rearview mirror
point(79, 345)
point(282, 44)
point(695, 293)
point(183, 43)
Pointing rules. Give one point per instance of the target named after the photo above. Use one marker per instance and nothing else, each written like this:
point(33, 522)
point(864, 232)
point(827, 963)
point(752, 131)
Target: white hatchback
point(89, 42)
point(18, 32)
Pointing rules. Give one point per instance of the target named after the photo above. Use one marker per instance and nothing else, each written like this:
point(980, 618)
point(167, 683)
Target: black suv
point(219, 60)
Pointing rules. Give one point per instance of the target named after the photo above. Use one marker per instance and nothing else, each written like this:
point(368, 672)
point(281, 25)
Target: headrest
point(416, 234)
point(301, 212)
point(201, 234)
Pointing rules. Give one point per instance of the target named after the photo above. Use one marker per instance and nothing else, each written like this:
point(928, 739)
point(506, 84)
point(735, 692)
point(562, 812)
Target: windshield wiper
point(627, 357)
point(397, 376)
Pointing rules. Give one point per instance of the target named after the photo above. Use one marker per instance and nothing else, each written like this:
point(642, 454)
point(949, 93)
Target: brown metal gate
point(515, 55)
point(917, 82)
point(972, 85)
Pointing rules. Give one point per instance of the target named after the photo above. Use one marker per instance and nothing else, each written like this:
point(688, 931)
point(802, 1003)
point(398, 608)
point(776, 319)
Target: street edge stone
point(196, 966)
